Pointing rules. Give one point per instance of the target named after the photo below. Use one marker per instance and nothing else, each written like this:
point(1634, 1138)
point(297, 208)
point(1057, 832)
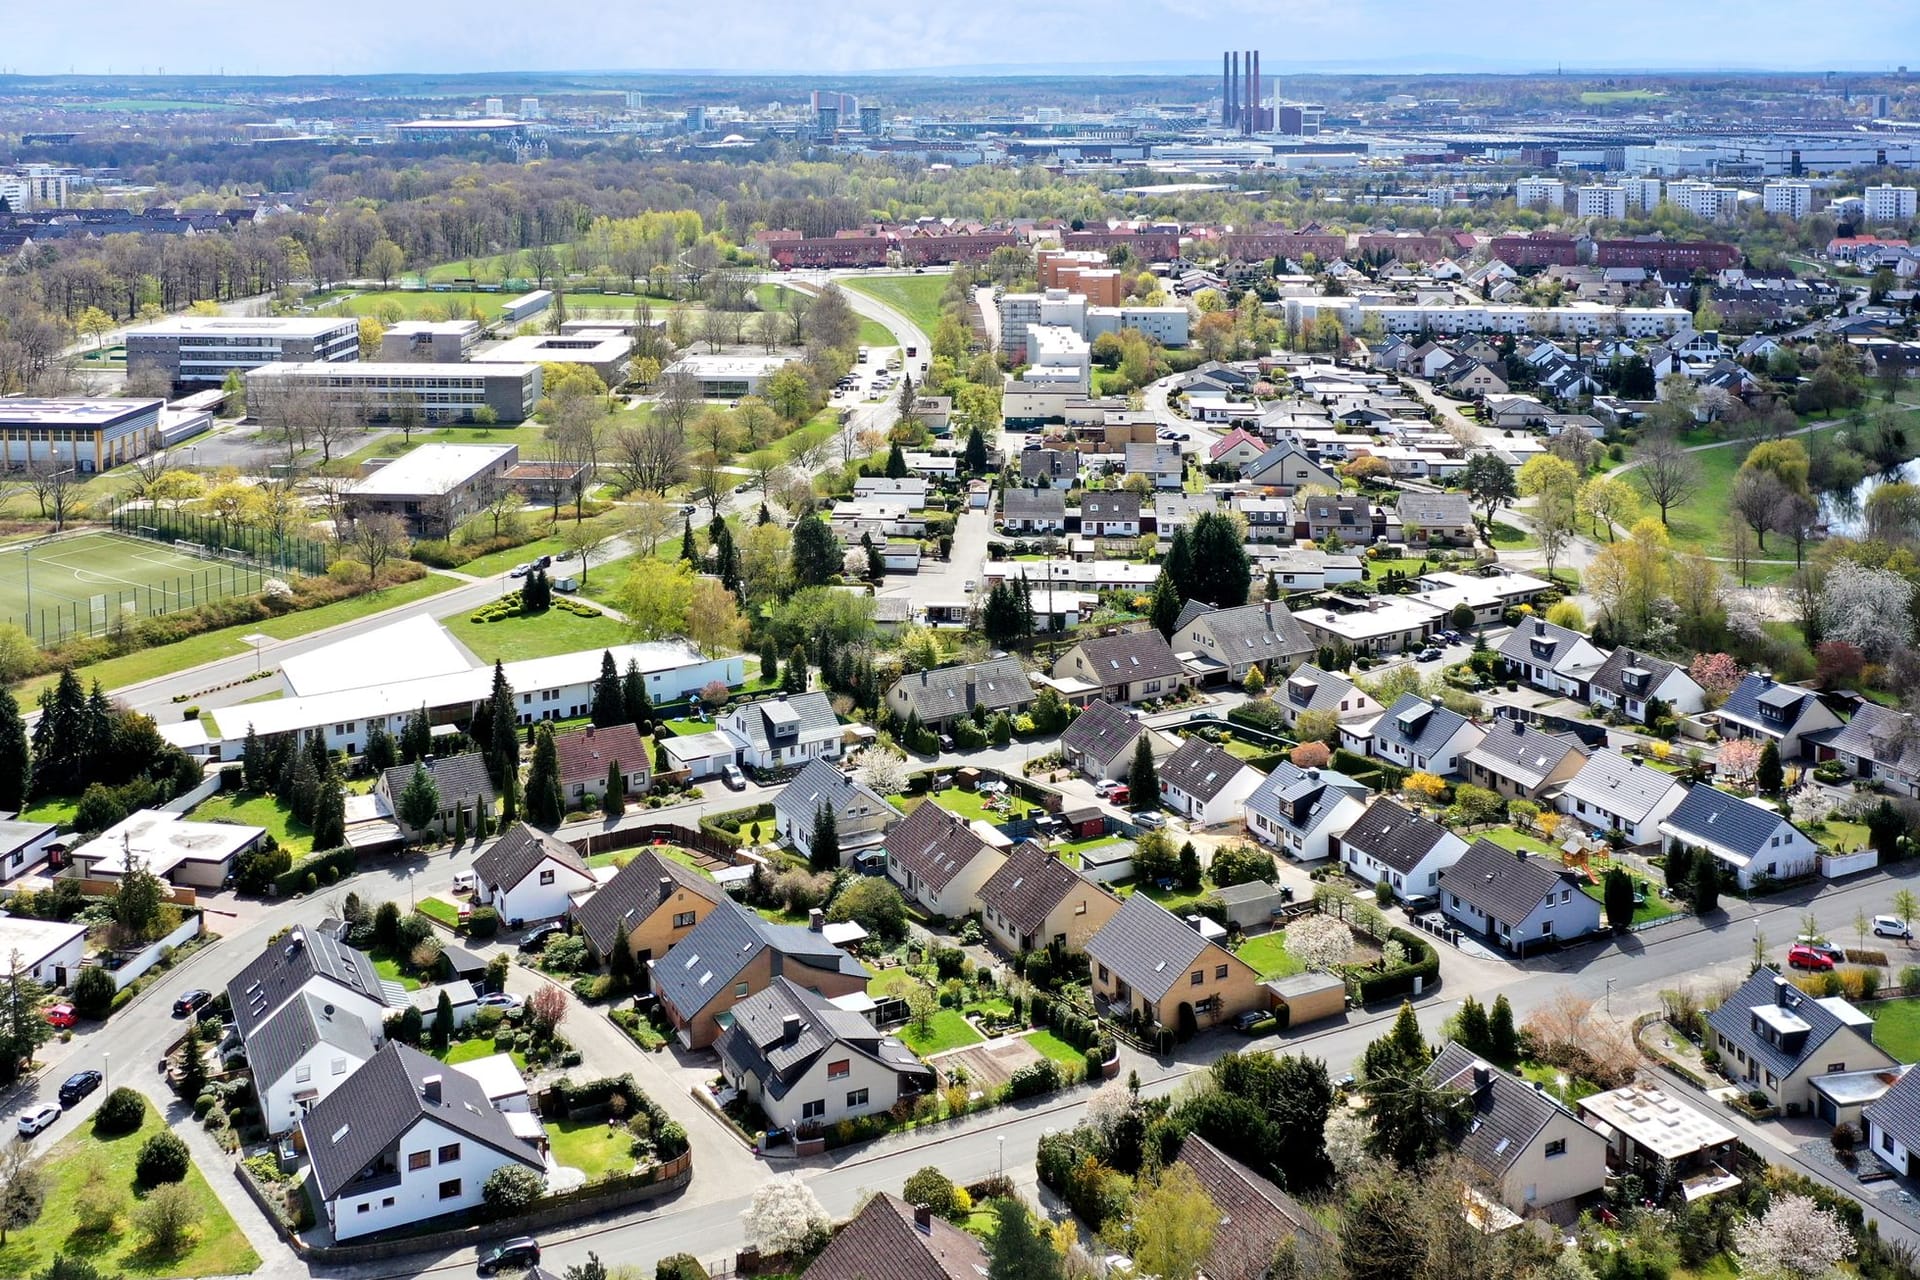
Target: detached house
point(733, 953)
point(861, 816)
point(587, 754)
point(461, 781)
point(1522, 763)
point(1891, 1124)
point(1287, 468)
point(529, 875)
point(1775, 1038)
point(1260, 1217)
point(1034, 510)
point(1395, 844)
point(1748, 837)
point(1540, 1157)
point(1237, 448)
point(785, 732)
point(1204, 783)
point(1035, 901)
point(1110, 514)
point(1300, 811)
point(809, 1063)
point(1416, 734)
point(940, 860)
point(1224, 644)
point(1883, 745)
point(1130, 667)
point(1102, 741)
point(1437, 519)
point(890, 1239)
point(406, 1139)
point(649, 906)
point(1311, 689)
point(1353, 520)
point(1613, 792)
point(1552, 658)
point(1160, 463)
point(941, 696)
point(1784, 714)
point(1629, 679)
point(1150, 964)
point(1518, 901)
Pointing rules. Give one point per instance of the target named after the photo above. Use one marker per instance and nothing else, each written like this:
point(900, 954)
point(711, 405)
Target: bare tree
point(543, 262)
point(1668, 473)
point(713, 328)
point(378, 539)
point(766, 470)
point(649, 518)
point(333, 485)
point(710, 478)
point(574, 440)
point(767, 330)
point(585, 541)
point(499, 501)
point(405, 414)
point(677, 400)
point(651, 456)
point(52, 482)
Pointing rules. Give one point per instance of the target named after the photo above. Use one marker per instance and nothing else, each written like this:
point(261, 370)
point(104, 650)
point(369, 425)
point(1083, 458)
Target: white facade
point(322, 1069)
point(1641, 193)
point(1703, 199)
point(1226, 803)
point(1540, 193)
point(50, 950)
point(1601, 202)
point(1422, 881)
point(1580, 319)
point(451, 1181)
point(841, 1084)
point(1166, 325)
point(1888, 203)
point(1789, 199)
point(1310, 845)
point(544, 893)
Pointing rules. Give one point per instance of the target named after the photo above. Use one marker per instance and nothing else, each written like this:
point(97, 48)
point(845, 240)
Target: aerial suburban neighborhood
point(1142, 669)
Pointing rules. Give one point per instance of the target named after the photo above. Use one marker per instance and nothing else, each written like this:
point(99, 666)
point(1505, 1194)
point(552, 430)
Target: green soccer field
point(77, 584)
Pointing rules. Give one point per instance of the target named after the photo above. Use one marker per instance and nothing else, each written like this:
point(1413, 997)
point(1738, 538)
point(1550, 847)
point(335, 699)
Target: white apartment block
point(1888, 203)
point(33, 186)
point(1540, 193)
point(1579, 319)
point(383, 391)
point(1703, 199)
point(1057, 308)
point(1642, 193)
point(1788, 199)
point(1165, 325)
point(1601, 202)
point(203, 350)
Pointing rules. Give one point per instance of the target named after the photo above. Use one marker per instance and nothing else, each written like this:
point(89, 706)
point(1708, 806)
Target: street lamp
point(106, 1072)
point(411, 873)
point(1002, 1140)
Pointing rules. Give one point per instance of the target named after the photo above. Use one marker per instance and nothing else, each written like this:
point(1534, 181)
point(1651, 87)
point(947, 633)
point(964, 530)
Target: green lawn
point(1600, 97)
point(620, 857)
point(415, 303)
point(1541, 1074)
point(1177, 900)
point(531, 437)
point(250, 810)
point(1896, 1027)
point(591, 1146)
point(388, 967)
point(440, 909)
point(1268, 954)
point(216, 1248)
point(889, 982)
point(475, 1049)
point(55, 809)
point(1702, 521)
point(1654, 908)
point(1508, 838)
point(1056, 1048)
point(537, 635)
point(915, 297)
point(227, 643)
point(1509, 538)
point(946, 1030)
point(970, 804)
point(1844, 836)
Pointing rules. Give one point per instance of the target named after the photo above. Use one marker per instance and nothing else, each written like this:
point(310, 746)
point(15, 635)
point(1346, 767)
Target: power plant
point(1241, 107)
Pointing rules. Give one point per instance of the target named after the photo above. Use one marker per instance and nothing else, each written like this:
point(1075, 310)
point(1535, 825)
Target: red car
point(1805, 957)
point(60, 1015)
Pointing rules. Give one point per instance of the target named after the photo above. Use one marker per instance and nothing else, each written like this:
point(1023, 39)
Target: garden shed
point(1307, 997)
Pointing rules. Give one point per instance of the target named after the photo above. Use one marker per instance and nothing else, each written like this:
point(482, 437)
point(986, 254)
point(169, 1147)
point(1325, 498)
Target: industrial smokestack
point(1226, 91)
point(1255, 124)
point(1246, 93)
point(1233, 97)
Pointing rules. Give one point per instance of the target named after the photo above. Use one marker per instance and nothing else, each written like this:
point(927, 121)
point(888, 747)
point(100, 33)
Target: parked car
point(1149, 819)
point(1120, 794)
point(1891, 927)
point(504, 1001)
point(1801, 956)
point(1247, 1021)
point(191, 1003)
point(465, 882)
point(516, 1254)
point(37, 1119)
point(77, 1086)
point(61, 1015)
point(731, 775)
point(1429, 655)
point(537, 936)
point(687, 508)
point(544, 562)
point(519, 571)
point(1820, 946)
point(946, 742)
point(1105, 787)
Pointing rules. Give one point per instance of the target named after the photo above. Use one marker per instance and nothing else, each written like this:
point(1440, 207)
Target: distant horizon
point(864, 38)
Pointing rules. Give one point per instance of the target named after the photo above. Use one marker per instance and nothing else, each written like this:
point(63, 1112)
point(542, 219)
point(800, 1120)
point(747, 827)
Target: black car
point(537, 936)
point(191, 1003)
point(519, 1253)
point(1247, 1021)
point(77, 1086)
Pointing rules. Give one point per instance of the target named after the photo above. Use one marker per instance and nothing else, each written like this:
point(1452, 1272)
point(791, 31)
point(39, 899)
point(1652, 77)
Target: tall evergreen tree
point(253, 758)
point(59, 737)
point(416, 740)
point(16, 762)
point(1222, 575)
point(192, 1081)
point(1143, 779)
point(509, 799)
point(419, 801)
point(1768, 776)
point(613, 801)
point(766, 516)
point(1015, 1249)
point(688, 551)
point(876, 563)
point(769, 660)
point(633, 694)
point(503, 744)
point(826, 839)
point(609, 699)
point(96, 731)
point(726, 558)
point(976, 456)
point(482, 820)
point(816, 552)
point(1503, 1041)
point(545, 803)
point(382, 753)
point(329, 813)
point(1178, 565)
point(1273, 586)
point(896, 462)
point(795, 680)
point(305, 787)
point(1164, 610)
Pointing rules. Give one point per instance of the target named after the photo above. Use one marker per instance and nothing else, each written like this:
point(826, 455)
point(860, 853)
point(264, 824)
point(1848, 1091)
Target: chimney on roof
point(790, 1028)
point(666, 887)
point(1539, 626)
point(923, 1217)
point(1518, 728)
point(1482, 1077)
point(1519, 855)
point(430, 1090)
point(817, 920)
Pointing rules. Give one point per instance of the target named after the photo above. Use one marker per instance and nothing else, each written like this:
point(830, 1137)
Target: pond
point(1845, 513)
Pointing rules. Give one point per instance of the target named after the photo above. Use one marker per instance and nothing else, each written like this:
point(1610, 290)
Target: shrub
point(512, 1188)
point(930, 1189)
point(93, 992)
point(167, 1217)
point(1033, 1080)
point(679, 1266)
point(162, 1158)
point(483, 923)
point(124, 1111)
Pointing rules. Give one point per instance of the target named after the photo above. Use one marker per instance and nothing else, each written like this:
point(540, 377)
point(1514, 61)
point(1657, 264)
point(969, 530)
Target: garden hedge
point(1423, 962)
point(341, 862)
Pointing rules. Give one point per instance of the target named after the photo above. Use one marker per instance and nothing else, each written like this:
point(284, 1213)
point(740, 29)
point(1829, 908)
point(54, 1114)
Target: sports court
point(79, 582)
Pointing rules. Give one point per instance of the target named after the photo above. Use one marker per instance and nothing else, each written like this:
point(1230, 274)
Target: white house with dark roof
point(1629, 679)
point(302, 1052)
point(808, 1062)
point(784, 732)
point(1614, 792)
point(1434, 519)
point(1415, 733)
point(1540, 1157)
point(1110, 513)
point(1880, 744)
point(1774, 1038)
point(1784, 714)
point(1130, 667)
point(1103, 739)
point(1162, 464)
point(1891, 1124)
point(1518, 901)
point(944, 694)
point(1392, 843)
point(1522, 763)
point(1288, 468)
point(940, 860)
point(1034, 510)
point(1224, 644)
point(862, 817)
point(1749, 838)
point(1551, 657)
point(1311, 689)
point(529, 875)
point(1204, 783)
point(1300, 811)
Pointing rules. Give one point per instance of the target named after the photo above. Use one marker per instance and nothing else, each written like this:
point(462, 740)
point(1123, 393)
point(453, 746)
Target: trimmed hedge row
point(324, 868)
point(563, 1098)
point(1423, 962)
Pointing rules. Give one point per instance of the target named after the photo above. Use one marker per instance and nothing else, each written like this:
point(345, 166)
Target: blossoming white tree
point(883, 769)
point(1795, 1240)
point(785, 1216)
point(1319, 941)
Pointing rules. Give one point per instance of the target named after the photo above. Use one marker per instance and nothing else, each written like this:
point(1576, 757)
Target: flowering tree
point(1716, 673)
point(785, 1216)
point(1795, 1240)
point(883, 769)
point(548, 1007)
point(1319, 941)
point(1740, 758)
point(1424, 786)
point(1871, 609)
point(1310, 755)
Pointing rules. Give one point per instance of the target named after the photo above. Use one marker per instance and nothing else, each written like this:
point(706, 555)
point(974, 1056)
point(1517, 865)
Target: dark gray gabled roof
point(1029, 885)
point(619, 906)
point(519, 851)
point(1542, 643)
point(1256, 1215)
point(1297, 799)
point(1897, 1111)
point(1265, 633)
point(808, 717)
point(1519, 751)
point(1103, 731)
point(293, 1030)
point(1887, 737)
point(779, 1033)
point(1201, 769)
point(1710, 816)
point(934, 845)
point(1507, 1113)
point(1773, 708)
point(1622, 787)
point(1504, 884)
point(1435, 510)
point(998, 684)
point(1114, 504)
point(1417, 725)
point(1277, 457)
point(821, 785)
point(286, 967)
point(1033, 504)
point(1130, 656)
point(1311, 689)
point(1807, 1023)
point(1188, 612)
point(1632, 673)
point(705, 962)
point(1148, 947)
point(376, 1106)
point(457, 778)
point(1395, 836)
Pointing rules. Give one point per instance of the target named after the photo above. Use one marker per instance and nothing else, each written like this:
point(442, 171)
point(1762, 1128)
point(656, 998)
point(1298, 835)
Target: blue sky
point(849, 36)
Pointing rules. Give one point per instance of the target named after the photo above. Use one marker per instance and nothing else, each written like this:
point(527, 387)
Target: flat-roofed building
point(384, 390)
point(87, 435)
point(429, 341)
point(727, 377)
point(605, 351)
point(434, 486)
point(180, 852)
point(203, 350)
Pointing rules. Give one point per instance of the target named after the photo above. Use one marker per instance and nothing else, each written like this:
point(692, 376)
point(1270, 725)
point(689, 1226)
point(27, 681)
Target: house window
point(302, 1073)
point(1546, 928)
point(1220, 971)
point(387, 1203)
point(840, 1070)
point(740, 990)
point(1836, 1066)
point(339, 1066)
point(1197, 977)
point(1103, 973)
point(1558, 1147)
point(858, 1098)
point(1886, 1141)
point(363, 1208)
point(450, 1153)
point(450, 1189)
point(1080, 909)
point(682, 919)
point(813, 1110)
point(546, 876)
point(419, 1159)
